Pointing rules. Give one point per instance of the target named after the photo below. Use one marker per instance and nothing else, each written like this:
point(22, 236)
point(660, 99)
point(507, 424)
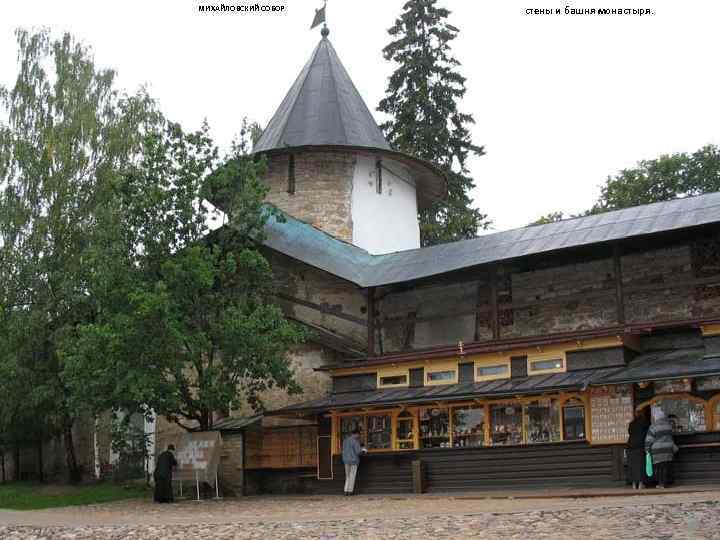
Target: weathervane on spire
point(320, 18)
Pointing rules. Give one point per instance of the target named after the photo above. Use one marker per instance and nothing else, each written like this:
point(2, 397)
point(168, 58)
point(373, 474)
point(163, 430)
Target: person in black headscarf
point(164, 466)
point(637, 431)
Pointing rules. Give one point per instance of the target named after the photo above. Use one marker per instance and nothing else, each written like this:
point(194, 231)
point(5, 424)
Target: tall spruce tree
point(422, 99)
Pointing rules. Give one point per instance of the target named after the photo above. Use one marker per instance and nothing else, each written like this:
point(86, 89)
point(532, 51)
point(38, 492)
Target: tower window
point(291, 174)
point(378, 173)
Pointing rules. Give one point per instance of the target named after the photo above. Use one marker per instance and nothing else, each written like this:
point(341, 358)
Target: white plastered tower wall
point(384, 217)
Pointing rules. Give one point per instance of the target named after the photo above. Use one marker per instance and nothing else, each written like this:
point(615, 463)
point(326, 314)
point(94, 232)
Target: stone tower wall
point(323, 190)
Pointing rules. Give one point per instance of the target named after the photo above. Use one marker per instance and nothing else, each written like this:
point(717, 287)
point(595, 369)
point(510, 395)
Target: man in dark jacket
point(637, 430)
point(164, 466)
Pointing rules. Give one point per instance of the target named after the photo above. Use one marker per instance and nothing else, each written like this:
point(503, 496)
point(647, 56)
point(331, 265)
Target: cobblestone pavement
point(682, 516)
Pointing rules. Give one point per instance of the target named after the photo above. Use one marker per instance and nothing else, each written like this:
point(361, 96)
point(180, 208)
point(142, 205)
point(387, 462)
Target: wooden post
point(617, 462)
point(418, 479)
point(371, 321)
point(619, 297)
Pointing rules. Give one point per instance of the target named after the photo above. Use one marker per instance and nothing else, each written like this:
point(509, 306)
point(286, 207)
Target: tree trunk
point(17, 463)
point(2, 464)
point(41, 465)
point(71, 460)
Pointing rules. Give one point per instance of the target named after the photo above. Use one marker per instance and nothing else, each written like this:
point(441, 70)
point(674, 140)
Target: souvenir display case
point(708, 383)
point(379, 432)
point(434, 428)
point(468, 426)
point(542, 421)
point(405, 431)
point(506, 424)
point(685, 415)
point(348, 424)
point(573, 412)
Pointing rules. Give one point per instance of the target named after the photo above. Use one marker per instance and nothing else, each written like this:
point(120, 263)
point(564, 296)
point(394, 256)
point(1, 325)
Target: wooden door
point(324, 457)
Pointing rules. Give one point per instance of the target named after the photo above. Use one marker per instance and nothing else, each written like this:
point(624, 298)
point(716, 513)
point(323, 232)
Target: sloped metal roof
point(236, 424)
point(322, 108)
point(666, 365)
point(316, 248)
point(573, 380)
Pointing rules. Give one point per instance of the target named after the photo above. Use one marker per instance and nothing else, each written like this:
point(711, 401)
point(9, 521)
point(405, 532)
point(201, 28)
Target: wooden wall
point(281, 448)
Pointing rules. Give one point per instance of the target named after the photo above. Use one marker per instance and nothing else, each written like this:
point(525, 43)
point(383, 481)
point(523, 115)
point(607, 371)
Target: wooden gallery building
point(514, 359)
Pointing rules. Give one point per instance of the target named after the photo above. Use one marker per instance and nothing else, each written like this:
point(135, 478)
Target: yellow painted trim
point(556, 348)
point(492, 361)
point(710, 329)
point(393, 372)
point(542, 356)
point(448, 365)
point(714, 420)
point(560, 397)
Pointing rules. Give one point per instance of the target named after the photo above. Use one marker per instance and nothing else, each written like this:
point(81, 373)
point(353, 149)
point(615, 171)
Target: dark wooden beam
point(619, 296)
point(371, 321)
point(494, 317)
point(478, 304)
point(322, 308)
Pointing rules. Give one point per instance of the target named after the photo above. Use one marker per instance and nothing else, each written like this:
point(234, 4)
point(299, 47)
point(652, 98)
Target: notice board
point(198, 456)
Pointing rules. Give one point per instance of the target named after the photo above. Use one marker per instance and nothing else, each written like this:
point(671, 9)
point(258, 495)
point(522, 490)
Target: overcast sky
point(560, 102)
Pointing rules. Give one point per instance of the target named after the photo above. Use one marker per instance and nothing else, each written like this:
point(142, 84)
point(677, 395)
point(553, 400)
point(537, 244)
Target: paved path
point(663, 515)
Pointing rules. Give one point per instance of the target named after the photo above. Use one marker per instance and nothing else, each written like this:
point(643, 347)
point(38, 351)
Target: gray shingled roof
point(324, 111)
point(305, 243)
point(572, 380)
point(322, 108)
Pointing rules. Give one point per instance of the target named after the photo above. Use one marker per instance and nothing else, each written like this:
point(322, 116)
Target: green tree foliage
point(194, 330)
point(68, 132)
point(552, 217)
point(662, 179)
point(667, 177)
point(422, 99)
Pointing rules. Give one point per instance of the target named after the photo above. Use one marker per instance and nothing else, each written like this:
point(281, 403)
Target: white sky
point(560, 102)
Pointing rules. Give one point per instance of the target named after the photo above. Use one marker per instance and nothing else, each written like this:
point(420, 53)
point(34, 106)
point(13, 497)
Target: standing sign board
point(198, 457)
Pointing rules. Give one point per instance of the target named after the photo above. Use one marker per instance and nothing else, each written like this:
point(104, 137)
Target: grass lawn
point(29, 496)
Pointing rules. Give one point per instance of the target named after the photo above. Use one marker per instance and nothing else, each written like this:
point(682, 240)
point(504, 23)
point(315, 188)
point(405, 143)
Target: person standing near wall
point(660, 445)
point(351, 451)
point(164, 467)
point(637, 430)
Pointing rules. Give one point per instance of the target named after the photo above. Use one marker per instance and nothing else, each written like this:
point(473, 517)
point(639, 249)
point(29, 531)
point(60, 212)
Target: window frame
point(440, 369)
point(381, 374)
point(492, 362)
point(429, 372)
point(546, 357)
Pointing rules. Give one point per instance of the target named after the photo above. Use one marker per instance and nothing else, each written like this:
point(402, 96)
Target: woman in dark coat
point(163, 475)
point(637, 430)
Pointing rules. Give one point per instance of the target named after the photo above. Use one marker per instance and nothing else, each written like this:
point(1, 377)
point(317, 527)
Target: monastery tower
point(329, 164)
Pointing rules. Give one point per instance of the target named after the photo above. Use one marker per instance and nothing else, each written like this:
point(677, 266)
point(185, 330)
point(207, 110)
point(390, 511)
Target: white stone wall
point(384, 222)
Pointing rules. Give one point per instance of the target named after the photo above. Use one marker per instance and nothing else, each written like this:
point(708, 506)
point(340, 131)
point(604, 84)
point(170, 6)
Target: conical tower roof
point(322, 108)
point(324, 111)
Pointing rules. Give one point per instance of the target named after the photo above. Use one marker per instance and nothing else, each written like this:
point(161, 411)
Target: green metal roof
point(312, 246)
